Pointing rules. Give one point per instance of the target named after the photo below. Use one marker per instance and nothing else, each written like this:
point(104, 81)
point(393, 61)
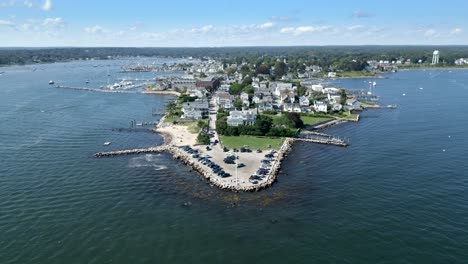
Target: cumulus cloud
point(204, 29)
point(54, 23)
point(355, 27)
point(47, 6)
point(7, 23)
point(266, 25)
point(430, 33)
point(95, 30)
point(304, 29)
point(361, 14)
point(456, 31)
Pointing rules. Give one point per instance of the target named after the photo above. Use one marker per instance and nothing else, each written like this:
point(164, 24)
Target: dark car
point(240, 165)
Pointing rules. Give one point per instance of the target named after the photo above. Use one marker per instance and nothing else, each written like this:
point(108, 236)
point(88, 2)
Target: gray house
point(237, 118)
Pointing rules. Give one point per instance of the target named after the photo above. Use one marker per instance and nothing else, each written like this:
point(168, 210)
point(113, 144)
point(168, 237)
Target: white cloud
point(6, 23)
point(266, 25)
point(95, 30)
point(304, 29)
point(430, 33)
point(47, 6)
point(204, 29)
point(281, 18)
point(355, 27)
point(456, 31)
point(54, 23)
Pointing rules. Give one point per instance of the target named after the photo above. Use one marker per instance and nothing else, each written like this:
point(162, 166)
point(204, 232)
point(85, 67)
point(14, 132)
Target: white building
point(237, 118)
point(320, 106)
point(304, 101)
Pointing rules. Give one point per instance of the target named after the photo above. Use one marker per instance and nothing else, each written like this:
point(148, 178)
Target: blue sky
point(209, 23)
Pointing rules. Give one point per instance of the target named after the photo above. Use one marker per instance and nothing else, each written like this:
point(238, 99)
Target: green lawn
point(252, 142)
point(170, 119)
point(354, 74)
point(312, 120)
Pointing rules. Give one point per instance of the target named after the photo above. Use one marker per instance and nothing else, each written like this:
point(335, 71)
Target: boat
point(392, 106)
point(107, 143)
point(51, 82)
point(87, 81)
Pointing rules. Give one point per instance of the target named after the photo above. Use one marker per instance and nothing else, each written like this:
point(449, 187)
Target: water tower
point(435, 57)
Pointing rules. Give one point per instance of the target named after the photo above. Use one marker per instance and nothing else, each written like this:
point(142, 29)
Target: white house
point(331, 75)
point(320, 106)
point(317, 88)
point(244, 96)
point(278, 87)
point(237, 118)
point(224, 100)
point(256, 99)
point(304, 101)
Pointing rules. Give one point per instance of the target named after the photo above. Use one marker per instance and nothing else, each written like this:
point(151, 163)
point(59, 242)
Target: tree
point(262, 69)
point(238, 104)
point(249, 89)
point(343, 96)
point(203, 75)
point(263, 124)
point(247, 81)
point(236, 88)
point(296, 119)
point(280, 69)
point(203, 138)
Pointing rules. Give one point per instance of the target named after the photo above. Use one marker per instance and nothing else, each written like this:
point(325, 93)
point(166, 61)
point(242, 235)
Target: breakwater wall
point(205, 172)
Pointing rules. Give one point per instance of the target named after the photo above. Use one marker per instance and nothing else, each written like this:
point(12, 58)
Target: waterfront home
point(353, 105)
point(194, 110)
point(199, 92)
point(180, 84)
point(304, 101)
point(331, 75)
point(224, 100)
point(317, 88)
point(334, 97)
point(337, 107)
point(245, 117)
point(320, 106)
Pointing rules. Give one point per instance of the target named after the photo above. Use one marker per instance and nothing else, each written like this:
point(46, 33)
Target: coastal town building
point(245, 117)
point(224, 100)
point(194, 110)
point(320, 106)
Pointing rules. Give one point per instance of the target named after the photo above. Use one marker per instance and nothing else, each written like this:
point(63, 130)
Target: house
point(353, 105)
point(180, 84)
point(331, 75)
point(237, 118)
point(337, 107)
point(320, 106)
point(224, 100)
point(197, 92)
point(334, 97)
point(256, 99)
point(265, 106)
point(304, 101)
point(244, 96)
point(288, 107)
point(317, 88)
point(278, 87)
point(194, 110)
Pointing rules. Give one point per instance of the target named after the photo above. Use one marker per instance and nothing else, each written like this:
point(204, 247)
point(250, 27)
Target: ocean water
point(398, 194)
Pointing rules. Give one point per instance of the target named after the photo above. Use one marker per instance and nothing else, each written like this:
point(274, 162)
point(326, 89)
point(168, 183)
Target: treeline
point(285, 125)
point(324, 56)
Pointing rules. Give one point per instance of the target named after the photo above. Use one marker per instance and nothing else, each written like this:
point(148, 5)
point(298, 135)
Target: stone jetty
point(178, 154)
